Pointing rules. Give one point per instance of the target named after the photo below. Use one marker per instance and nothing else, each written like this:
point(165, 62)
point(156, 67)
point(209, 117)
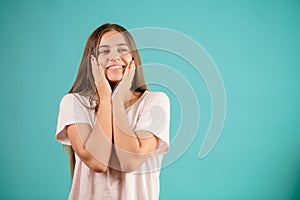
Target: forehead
point(112, 38)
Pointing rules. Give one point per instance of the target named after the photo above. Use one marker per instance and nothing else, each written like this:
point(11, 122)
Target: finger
point(126, 70)
point(132, 71)
point(95, 69)
point(101, 69)
point(132, 66)
point(97, 66)
point(92, 61)
point(93, 64)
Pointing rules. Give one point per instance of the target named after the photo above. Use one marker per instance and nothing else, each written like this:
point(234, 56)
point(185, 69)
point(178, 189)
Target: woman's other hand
point(122, 93)
point(103, 87)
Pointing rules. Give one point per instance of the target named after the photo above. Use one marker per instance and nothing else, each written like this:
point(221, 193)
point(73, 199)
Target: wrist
point(104, 99)
point(117, 101)
point(117, 97)
point(118, 104)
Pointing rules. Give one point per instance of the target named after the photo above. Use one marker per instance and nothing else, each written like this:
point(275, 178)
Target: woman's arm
point(93, 146)
point(132, 148)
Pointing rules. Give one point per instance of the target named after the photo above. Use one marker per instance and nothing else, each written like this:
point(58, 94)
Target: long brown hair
point(84, 82)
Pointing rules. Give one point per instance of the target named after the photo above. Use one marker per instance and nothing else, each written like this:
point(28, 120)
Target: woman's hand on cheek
point(122, 93)
point(101, 82)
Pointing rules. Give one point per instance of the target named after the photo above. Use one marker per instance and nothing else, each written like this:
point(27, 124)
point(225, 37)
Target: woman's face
point(114, 55)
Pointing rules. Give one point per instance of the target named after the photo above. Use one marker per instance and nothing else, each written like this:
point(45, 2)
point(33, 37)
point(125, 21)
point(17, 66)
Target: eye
point(105, 51)
point(123, 50)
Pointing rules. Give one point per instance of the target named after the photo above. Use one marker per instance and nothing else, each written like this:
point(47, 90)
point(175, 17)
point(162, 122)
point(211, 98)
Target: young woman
point(115, 129)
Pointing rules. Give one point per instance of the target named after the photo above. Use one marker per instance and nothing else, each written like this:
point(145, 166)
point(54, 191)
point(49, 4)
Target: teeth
point(116, 67)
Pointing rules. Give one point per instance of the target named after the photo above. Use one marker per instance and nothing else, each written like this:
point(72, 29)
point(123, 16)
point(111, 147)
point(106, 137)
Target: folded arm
point(94, 146)
point(132, 147)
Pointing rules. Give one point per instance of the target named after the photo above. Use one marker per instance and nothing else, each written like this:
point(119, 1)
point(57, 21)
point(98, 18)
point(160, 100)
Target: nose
point(115, 55)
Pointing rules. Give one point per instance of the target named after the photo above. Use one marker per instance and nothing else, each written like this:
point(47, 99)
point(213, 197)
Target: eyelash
point(104, 52)
point(107, 51)
point(123, 50)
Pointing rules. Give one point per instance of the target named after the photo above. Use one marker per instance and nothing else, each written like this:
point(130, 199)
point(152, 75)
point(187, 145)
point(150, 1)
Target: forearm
point(124, 137)
point(99, 141)
point(128, 146)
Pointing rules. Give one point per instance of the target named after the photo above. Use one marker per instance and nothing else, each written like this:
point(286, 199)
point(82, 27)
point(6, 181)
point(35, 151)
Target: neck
point(113, 85)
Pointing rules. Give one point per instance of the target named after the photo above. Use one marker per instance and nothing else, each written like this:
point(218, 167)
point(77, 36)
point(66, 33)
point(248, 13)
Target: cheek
point(127, 58)
point(102, 61)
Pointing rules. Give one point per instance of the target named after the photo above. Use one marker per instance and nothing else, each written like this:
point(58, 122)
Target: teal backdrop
point(255, 45)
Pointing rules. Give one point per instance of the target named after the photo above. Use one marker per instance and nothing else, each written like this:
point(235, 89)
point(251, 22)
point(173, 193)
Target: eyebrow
point(105, 45)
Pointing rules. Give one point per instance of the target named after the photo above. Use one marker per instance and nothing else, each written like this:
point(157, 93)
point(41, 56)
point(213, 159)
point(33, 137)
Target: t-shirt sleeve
point(155, 118)
point(71, 111)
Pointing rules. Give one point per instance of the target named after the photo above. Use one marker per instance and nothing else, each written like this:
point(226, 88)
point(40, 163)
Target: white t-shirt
point(151, 112)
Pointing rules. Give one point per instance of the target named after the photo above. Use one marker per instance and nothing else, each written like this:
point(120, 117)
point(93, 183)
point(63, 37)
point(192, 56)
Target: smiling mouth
point(115, 67)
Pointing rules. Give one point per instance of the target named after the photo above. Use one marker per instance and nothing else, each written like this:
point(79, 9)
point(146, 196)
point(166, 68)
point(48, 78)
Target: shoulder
point(156, 94)
point(67, 97)
point(74, 99)
point(156, 97)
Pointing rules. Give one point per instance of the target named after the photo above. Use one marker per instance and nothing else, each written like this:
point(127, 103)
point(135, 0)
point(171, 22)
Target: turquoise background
point(255, 45)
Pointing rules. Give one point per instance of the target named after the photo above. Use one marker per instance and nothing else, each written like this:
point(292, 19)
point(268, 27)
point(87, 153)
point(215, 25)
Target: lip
point(115, 67)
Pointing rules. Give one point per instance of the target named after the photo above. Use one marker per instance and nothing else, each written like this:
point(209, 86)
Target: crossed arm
point(94, 146)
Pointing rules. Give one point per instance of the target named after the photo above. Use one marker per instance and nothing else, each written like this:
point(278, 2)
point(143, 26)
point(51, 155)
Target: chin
point(115, 79)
